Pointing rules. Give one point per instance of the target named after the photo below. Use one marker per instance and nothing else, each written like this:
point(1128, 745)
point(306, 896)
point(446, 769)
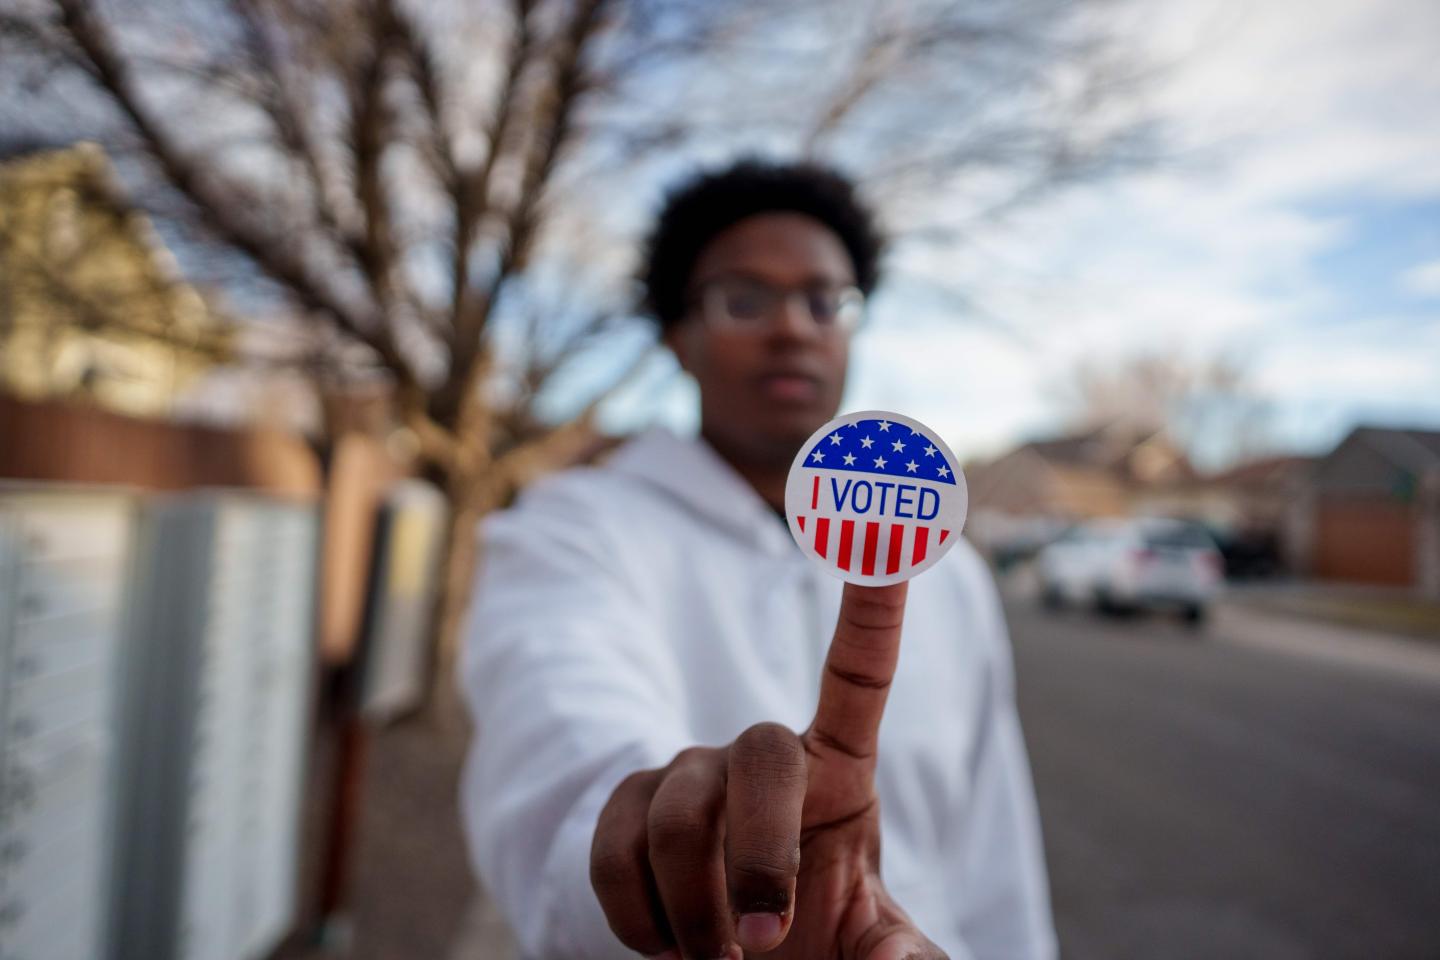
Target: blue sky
point(1369, 268)
point(1305, 245)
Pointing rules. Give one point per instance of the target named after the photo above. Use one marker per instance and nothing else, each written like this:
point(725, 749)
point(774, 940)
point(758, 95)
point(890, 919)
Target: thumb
point(875, 928)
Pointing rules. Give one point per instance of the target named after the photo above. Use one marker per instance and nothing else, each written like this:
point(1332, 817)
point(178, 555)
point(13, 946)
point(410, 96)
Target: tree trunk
point(468, 499)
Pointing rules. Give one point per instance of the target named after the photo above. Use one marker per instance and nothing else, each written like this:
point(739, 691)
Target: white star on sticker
point(943, 471)
point(834, 439)
point(818, 457)
point(866, 442)
point(880, 462)
point(930, 451)
point(912, 466)
point(897, 446)
point(884, 426)
point(849, 459)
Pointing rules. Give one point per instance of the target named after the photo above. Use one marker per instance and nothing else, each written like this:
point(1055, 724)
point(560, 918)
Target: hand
point(771, 844)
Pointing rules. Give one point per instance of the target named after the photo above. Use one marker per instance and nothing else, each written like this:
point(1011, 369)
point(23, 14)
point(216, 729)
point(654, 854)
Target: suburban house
point(93, 309)
point(1248, 508)
point(1370, 512)
point(1040, 487)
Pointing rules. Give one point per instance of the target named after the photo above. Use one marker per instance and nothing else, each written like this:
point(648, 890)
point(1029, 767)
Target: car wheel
point(1051, 598)
point(1193, 615)
point(1105, 603)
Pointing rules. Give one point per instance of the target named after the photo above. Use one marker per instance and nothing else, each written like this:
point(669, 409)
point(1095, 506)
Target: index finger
point(859, 668)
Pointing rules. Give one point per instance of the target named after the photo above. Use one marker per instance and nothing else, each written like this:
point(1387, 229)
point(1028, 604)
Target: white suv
point(1123, 565)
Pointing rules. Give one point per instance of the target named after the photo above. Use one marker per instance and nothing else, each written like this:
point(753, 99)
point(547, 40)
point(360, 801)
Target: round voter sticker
point(875, 497)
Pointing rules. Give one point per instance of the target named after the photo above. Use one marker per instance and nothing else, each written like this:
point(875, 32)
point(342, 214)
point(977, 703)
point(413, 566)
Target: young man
point(647, 644)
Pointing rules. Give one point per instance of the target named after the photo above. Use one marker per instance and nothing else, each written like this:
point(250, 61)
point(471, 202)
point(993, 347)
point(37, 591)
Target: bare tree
point(1208, 405)
point(439, 187)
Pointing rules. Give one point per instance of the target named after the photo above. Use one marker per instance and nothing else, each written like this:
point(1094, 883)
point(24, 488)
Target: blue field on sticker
point(881, 447)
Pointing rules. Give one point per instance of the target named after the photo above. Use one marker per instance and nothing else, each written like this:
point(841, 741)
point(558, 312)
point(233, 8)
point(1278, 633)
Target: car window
point(1179, 535)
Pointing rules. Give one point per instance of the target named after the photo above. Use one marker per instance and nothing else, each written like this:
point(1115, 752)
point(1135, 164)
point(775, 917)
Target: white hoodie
point(626, 612)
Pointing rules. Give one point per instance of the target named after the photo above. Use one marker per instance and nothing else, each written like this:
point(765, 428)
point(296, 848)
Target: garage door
point(1366, 541)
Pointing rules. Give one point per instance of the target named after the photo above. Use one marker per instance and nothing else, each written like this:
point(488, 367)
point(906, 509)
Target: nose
point(794, 319)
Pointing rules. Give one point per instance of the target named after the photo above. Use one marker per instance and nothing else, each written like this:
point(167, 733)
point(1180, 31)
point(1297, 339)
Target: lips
point(790, 386)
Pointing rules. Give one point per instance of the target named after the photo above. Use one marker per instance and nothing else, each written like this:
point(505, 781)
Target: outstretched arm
point(569, 691)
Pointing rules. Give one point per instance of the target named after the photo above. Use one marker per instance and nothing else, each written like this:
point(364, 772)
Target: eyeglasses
point(742, 305)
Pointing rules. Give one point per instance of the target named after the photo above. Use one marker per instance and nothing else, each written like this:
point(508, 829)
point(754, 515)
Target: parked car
point(1136, 564)
point(1021, 543)
point(1248, 554)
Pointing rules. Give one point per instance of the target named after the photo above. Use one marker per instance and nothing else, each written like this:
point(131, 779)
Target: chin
point(792, 426)
point(771, 432)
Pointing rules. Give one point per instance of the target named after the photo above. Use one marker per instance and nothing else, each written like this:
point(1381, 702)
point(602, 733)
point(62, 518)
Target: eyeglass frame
point(704, 295)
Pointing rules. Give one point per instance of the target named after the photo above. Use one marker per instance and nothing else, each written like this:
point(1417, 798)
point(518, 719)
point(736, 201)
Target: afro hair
point(713, 201)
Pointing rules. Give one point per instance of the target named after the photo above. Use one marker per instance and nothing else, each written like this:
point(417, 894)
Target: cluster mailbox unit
point(63, 567)
point(156, 784)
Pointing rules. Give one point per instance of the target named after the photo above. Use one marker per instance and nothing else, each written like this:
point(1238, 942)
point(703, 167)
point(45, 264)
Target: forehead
point(782, 248)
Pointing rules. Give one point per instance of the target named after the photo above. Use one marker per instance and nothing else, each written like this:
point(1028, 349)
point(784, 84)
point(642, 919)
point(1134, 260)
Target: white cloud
point(976, 388)
point(1282, 109)
point(1355, 364)
point(1318, 95)
point(1423, 279)
point(1380, 372)
point(1296, 107)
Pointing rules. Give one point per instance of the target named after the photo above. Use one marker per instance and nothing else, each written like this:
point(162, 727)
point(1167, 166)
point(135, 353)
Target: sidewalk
point(411, 892)
point(1360, 627)
point(1386, 610)
point(1239, 620)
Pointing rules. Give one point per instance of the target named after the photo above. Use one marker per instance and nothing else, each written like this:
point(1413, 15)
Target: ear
point(683, 339)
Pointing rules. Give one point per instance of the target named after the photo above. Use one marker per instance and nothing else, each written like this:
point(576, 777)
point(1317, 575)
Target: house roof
point(1087, 492)
point(1261, 471)
point(1095, 447)
point(1412, 449)
point(1133, 454)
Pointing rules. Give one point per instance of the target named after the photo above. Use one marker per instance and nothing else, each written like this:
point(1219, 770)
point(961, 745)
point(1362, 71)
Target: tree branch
point(556, 114)
point(275, 258)
point(882, 50)
point(472, 197)
point(423, 68)
point(529, 457)
point(281, 103)
point(368, 138)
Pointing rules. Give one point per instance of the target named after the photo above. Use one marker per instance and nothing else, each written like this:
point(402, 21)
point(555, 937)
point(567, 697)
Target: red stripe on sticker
point(822, 534)
point(943, 535)
point(872, 538)
point(847, 540)
point(815, 494)
point(801, 520)
point(922, 536)
point(897, 536)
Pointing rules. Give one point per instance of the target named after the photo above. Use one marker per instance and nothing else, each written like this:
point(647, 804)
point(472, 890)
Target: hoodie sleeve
point(998, 864)
point(569, 690)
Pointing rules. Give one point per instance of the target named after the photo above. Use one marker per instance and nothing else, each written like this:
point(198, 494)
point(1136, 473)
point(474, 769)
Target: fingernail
point(758, 931)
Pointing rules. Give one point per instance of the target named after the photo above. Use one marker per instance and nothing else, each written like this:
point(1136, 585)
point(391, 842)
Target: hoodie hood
point(690, 471)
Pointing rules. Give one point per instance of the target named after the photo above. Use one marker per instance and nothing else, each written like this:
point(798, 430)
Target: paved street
point(1208, 795)
point(1213, 795)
